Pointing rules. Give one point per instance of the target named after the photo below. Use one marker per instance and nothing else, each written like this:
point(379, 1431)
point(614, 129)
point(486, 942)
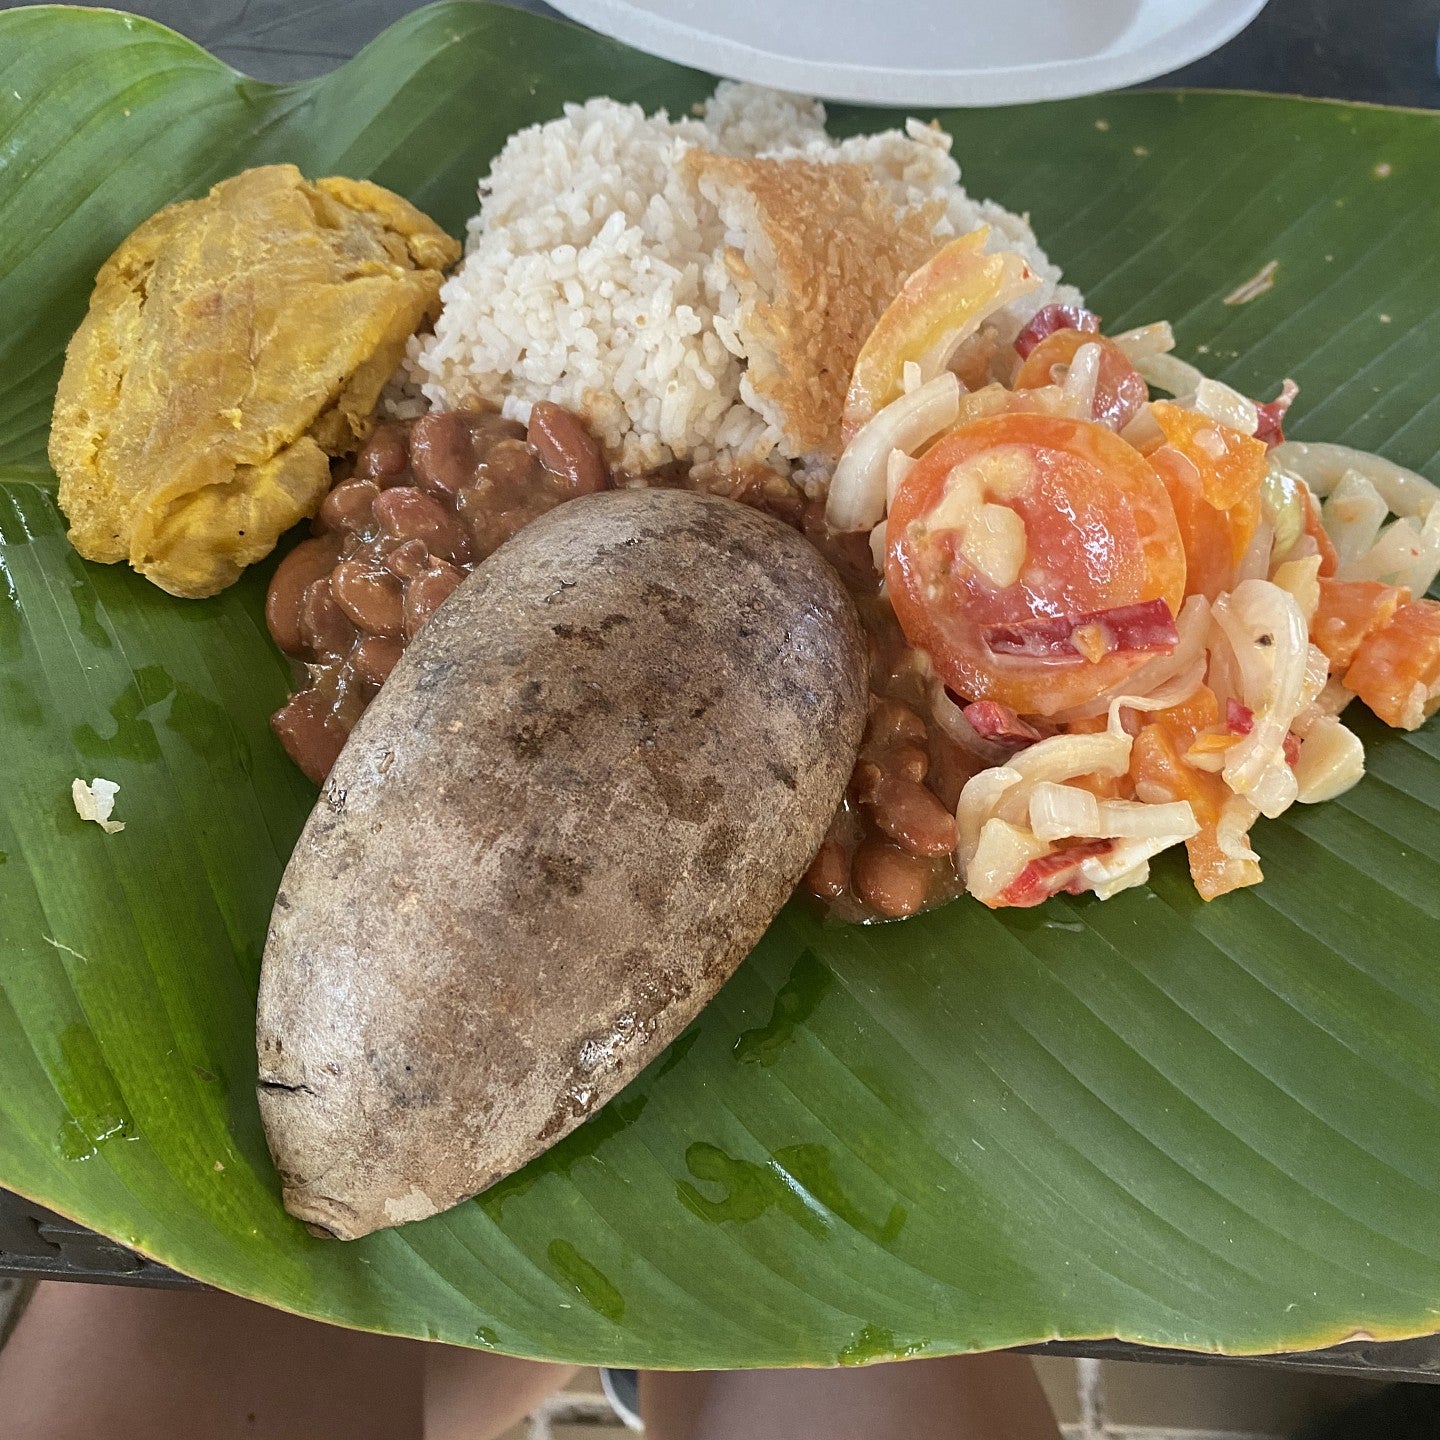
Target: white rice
point(594, 274)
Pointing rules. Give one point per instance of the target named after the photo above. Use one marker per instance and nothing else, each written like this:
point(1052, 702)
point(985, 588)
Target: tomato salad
point(1139, 619)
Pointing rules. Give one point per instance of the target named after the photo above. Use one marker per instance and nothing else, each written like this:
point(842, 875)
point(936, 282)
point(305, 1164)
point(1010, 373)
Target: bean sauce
point(426, 502)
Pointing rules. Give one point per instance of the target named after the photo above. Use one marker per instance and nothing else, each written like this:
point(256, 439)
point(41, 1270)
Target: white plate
point(925, 52)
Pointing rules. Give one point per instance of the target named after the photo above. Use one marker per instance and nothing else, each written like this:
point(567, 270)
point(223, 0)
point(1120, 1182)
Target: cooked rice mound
point(698, 289)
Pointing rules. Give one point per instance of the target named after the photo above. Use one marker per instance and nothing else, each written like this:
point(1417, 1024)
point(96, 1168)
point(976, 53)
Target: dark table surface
point(1381, 51)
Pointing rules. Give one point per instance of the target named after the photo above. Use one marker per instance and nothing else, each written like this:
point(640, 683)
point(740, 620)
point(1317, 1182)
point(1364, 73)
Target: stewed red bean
point(912, 816)
point(306, 563)
point(406, 513)
point(909, 760)
point(888, 880)
point(385, 454)
point(565, 446)
point(427, 501)
point(350, 506)
point(829, 871)
point(370, 595)
point(375, 657)
point(427, 592)
point(891, 722)
point(327, 630)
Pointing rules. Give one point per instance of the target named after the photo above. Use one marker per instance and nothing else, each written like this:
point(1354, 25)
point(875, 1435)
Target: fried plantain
point(233, 344)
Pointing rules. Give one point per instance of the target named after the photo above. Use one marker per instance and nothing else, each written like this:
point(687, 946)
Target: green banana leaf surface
point(1211, 1126)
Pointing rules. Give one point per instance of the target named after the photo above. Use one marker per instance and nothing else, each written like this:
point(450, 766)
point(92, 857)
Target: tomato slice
point(1215, 541)
point(1119, 390)
point(1231, 465)
point(1086, 528)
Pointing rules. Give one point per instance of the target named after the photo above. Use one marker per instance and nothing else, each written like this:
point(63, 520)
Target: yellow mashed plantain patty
point(233, 344)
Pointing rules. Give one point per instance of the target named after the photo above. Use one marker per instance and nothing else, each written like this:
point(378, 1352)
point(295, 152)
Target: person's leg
point(90, 1361)
point(967, 1397)
point(471, 1395)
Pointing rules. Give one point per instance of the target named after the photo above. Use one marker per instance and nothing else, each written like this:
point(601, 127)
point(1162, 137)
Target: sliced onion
point(898, 466)
point(1080, 381)
point(1427, 563)
point(1232, 829)
point(1061, 812)
point(1333, 699)
point(1172, 821)
point(1286, 502)
point(1001, 853)
point(1229, 407)
point(1317, 676)
point(1176, 692)
point(1066, 812)
point(951, 719)
point(1323, 466)
point(1143, 432)
point(878, 545)
point(1332, 759)
point(1353, 513)
point(1405, 554)
point(1269, 640)
point(1126, 866)
point(1059, 758)
point(1146, 340)
point(857, 490)
point(1169, 372)
point(978, 799)
point(1255, 562)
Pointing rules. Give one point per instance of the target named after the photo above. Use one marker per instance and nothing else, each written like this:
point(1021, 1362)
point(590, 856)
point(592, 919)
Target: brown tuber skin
point(582, 795)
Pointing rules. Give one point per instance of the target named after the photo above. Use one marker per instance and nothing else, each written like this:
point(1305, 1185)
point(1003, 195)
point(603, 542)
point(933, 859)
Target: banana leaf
point(1208, 1126)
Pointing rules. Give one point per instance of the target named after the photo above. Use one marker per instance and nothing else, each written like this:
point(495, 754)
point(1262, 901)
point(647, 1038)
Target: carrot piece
point(1350, 610)
point(1396, 671)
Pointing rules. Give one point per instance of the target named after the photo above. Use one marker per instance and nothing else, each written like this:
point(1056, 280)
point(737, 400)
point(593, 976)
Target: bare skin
point(130, 1364)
